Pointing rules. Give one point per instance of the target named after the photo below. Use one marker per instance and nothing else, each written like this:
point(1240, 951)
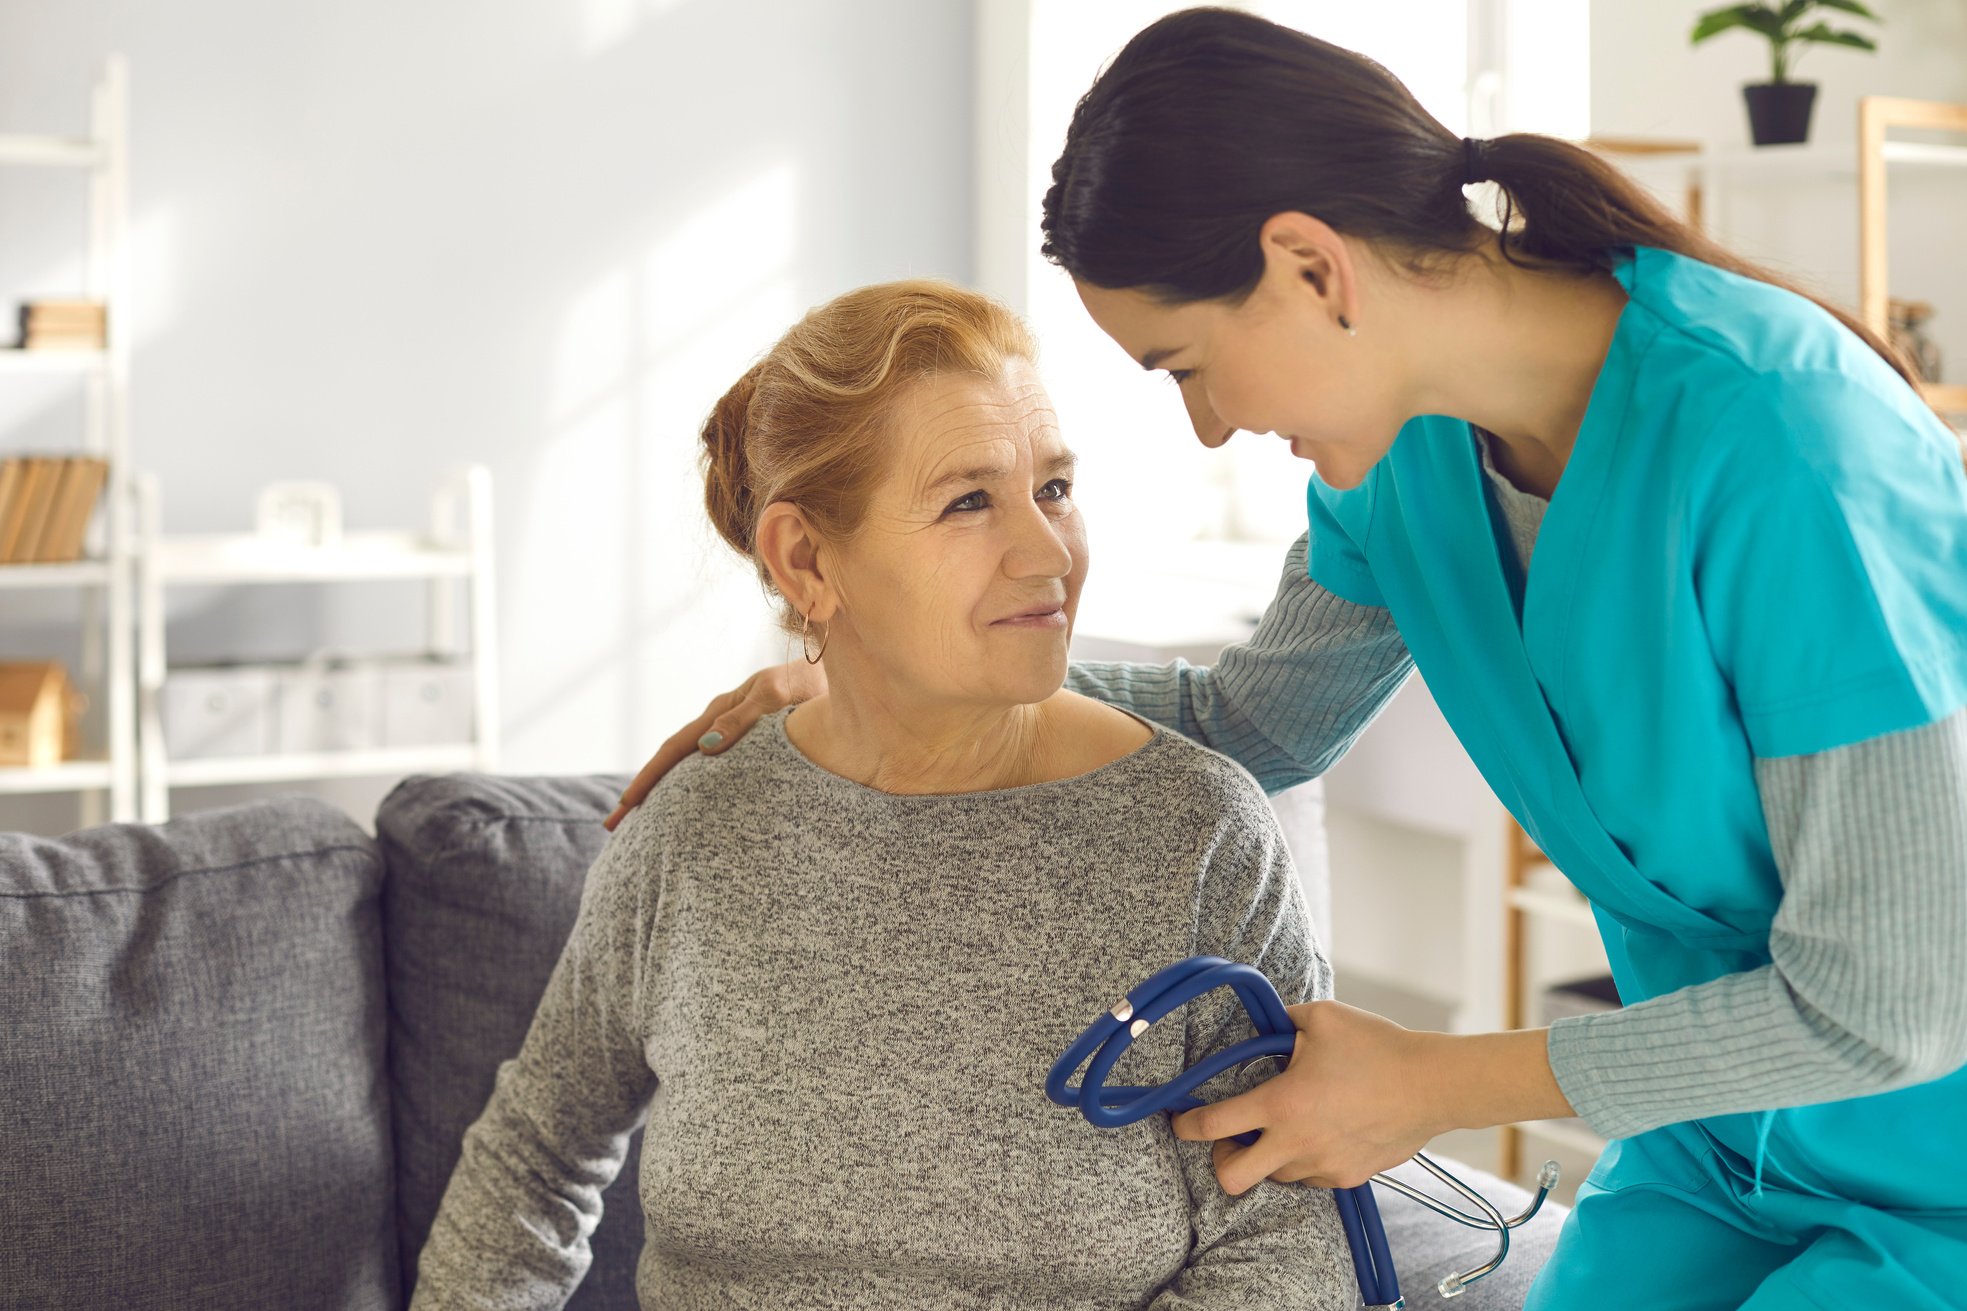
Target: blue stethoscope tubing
point(1167, 990)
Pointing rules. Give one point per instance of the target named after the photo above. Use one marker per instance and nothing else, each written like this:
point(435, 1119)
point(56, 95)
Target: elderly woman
point(832, 965)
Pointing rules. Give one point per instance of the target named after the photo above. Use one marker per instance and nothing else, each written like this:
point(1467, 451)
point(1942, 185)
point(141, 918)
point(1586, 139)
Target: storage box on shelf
point(107, 670)
point(326, 718)
point(343, 704)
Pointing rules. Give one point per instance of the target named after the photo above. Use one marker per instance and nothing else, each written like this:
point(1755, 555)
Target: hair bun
point(727, 471)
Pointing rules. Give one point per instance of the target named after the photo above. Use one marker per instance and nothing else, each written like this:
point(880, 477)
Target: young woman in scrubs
point(1726, 698)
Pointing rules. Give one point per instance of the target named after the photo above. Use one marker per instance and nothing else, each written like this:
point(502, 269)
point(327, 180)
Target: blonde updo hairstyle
point(808, 423)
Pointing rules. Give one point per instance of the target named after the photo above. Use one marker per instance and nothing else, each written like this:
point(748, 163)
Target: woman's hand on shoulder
point(726, 719)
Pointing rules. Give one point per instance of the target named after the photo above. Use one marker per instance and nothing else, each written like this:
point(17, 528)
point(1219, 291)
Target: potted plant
point(1779, 109)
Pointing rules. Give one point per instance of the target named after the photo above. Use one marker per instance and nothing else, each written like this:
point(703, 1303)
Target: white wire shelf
point(69, 776)
point(380, 762)
point(78, 361)
point(55, 151)
point(248, 558)
point(68, 573)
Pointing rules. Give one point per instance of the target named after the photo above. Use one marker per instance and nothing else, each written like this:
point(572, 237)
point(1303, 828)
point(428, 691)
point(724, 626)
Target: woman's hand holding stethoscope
point(1359, 1096)
point(1362, 1094)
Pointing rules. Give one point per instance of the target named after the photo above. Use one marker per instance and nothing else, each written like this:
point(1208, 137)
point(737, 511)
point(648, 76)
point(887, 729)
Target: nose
point(1036, 548)
point(1210, 430)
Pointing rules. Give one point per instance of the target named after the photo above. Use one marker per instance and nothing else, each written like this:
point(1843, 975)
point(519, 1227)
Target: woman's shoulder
point(1173, 770)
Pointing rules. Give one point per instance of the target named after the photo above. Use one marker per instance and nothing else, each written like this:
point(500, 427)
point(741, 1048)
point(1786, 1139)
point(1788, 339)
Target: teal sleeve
point(1831, 561)
point(1336, 562)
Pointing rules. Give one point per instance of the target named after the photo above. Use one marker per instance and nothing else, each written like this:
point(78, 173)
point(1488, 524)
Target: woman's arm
point(1867, 993)
point(512, 1231)
point(1273, 1246)
point(1286, 703)
point(1868, 988)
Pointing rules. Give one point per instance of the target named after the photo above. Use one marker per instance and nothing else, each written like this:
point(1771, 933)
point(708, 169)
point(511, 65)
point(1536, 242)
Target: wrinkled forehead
point(949, 421)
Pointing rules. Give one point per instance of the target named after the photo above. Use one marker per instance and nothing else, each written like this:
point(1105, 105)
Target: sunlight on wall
point(607, 23)
point(154, 261)
point(617, 573)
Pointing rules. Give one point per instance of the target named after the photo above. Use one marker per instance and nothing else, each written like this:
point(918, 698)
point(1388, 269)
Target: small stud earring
point(1346, 323)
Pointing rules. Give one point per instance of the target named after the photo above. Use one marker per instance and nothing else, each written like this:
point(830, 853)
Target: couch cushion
point(193, 1102)
point(485, 878)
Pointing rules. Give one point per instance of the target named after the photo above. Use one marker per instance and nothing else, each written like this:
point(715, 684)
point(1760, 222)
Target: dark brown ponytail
point(1211, 120)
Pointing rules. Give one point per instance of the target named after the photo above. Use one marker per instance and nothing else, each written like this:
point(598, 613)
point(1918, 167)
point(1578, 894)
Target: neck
point(917, 745)
point(1516, 352)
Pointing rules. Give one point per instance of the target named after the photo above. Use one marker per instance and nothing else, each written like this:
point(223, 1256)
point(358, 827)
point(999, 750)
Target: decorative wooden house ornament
point(39, 714)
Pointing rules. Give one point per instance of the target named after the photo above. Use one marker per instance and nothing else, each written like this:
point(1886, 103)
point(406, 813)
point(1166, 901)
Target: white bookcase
point(107, 676)
point(457, 550)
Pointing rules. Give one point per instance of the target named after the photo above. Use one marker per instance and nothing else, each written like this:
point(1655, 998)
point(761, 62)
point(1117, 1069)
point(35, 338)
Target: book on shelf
point(64, 325)
point(46, 503)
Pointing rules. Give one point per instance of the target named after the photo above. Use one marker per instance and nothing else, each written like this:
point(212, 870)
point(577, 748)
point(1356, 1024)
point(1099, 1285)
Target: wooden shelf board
point(1947, 397)
point(1834, 160)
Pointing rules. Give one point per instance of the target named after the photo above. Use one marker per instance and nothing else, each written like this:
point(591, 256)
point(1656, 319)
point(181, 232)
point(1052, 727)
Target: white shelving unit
point(104, 578)
point(457, 548)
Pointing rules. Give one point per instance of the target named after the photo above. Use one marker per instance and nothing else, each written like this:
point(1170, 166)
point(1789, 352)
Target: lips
point(1033, 612)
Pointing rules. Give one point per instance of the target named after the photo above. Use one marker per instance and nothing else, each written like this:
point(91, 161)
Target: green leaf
point(1822, 35)
point(1850, 7)
point(1720, 20)
point(1794, 10)
point(1766, 21)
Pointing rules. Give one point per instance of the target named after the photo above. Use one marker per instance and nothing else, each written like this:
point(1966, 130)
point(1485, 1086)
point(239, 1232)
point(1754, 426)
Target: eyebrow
point(985, 472)
point(1152, 358)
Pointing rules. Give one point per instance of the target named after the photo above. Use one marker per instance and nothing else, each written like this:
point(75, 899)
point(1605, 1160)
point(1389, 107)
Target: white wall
point(375, 239)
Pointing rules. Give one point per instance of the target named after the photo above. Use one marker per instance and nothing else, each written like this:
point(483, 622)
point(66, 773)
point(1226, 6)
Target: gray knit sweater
point(836, 1008)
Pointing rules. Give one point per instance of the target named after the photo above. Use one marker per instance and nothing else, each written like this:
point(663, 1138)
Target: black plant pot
point(1779, 112)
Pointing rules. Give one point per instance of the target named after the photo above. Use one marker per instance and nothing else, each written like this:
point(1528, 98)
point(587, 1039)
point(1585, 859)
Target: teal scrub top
point(1757, 548)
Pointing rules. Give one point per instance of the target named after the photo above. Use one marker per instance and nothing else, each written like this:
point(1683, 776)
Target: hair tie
point(1473, 170)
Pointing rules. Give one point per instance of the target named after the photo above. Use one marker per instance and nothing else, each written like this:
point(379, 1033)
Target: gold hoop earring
point(812, 658)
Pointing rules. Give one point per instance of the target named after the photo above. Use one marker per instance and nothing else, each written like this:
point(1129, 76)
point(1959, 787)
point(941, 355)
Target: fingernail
point(711, 741)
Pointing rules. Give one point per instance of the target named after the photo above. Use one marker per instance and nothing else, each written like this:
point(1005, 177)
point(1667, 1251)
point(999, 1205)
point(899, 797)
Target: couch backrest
point(193, 1095)
point(485, 879)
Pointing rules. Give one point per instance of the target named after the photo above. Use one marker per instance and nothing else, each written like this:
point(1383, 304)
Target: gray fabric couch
point(241, 1050)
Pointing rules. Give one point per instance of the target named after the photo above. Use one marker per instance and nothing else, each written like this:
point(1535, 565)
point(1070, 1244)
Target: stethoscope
point(1110, 1108)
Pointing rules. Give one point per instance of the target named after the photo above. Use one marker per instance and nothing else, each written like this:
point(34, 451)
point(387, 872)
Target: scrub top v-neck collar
point(1540, 624)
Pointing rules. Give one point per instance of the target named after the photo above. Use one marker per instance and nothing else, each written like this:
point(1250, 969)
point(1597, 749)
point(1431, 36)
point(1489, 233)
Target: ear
point(1304, 255)
point(794, 555)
